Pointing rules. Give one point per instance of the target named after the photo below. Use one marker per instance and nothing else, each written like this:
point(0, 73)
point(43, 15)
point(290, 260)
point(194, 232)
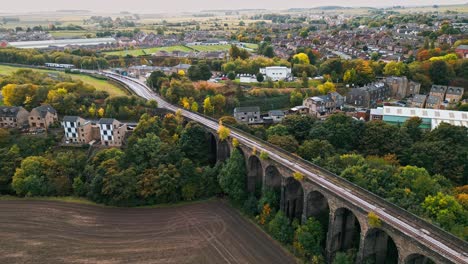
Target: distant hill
point(72, 11)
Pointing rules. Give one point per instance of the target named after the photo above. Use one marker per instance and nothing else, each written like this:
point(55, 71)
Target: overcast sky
point(152, 6)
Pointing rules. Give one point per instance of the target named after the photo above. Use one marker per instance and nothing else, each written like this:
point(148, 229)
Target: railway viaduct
point(341, 206)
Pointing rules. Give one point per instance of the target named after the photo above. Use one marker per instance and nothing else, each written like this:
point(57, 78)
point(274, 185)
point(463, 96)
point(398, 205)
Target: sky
point(165, 6)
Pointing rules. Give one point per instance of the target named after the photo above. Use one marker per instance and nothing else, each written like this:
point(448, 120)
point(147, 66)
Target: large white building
point(431, 118)
point(276, 73)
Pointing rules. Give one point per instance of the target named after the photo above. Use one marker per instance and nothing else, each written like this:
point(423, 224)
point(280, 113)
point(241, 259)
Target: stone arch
point(379, 247)
point(317, 207)
point(345, 232)
point(272, 177)
point(213, 143)
point(418, 259)
point(254, 175)
point(223, 151)
point(293, 198)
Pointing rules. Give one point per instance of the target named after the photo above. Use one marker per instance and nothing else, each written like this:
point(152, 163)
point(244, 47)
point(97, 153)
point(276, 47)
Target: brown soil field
point(59, 232)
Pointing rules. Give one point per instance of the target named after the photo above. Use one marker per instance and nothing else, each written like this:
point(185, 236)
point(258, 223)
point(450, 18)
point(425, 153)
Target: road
point(210, 232)
point(436, 240)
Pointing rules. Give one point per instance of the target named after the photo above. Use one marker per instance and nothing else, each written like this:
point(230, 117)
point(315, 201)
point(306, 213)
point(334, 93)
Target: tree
point(312, 149)
point(194, 107)
point(295, 98)
point(280, 228)
point(208, 108)
point(288, 143)
point(327, 87)
point(350, 76)
point(232, 178)
point(440, 72)
point(160, 184)
point(156, 79)
point(444, 209)
point(309, 238)
point(413, 129)
point(343, 258)
point(236, 53)
point(305, 80)
point(301, 58)
point(219, 102)
point(199, 72)
point(120, 187)
point(380, 138)
point(279, 130)
point(223, 132)
point(394, 68)
point(260, 77)
point(231, 75)
point(194, 143)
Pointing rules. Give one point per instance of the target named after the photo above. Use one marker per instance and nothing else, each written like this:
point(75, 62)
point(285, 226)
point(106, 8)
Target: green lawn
point(101, 85)
point(139, 52)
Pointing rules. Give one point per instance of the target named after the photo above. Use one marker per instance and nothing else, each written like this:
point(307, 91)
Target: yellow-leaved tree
point(223, 132)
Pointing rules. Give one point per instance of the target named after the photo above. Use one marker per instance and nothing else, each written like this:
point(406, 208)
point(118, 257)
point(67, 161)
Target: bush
point(280, 228)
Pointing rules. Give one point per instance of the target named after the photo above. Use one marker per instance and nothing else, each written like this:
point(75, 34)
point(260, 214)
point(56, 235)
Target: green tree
point(295, 98)
point(232, 177)
point(281, 229)
point(288, 142)
point(445, 210)
point(394, 68)
point(316, 148)
point(440, 72)
point(343, 258)
point(260, 77)
point(309, 238)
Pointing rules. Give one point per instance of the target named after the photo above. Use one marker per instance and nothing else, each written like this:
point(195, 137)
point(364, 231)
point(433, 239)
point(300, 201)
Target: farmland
point(204, 232)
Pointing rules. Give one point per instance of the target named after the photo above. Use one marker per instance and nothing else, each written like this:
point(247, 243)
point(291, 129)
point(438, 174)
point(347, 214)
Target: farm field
point(101, 85)
point(204, 232)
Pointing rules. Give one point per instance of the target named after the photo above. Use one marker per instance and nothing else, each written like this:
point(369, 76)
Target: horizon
point(160, 6)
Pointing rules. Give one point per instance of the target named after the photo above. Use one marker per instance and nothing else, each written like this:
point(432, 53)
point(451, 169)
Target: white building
point(431, 118)
point(276, 73)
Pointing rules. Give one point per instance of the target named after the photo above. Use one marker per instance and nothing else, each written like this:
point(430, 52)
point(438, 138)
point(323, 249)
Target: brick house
point(13, 117)
point(77, 130)
point(112, 132)
point(42, 117)
point(454, 94)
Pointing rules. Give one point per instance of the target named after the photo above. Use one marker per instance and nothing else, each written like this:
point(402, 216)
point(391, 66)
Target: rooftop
point(247, 109)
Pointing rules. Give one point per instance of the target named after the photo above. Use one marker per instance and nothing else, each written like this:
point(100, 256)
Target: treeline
point(30, 89)
point(423, 172)
point(79, 58)
point(164, 162)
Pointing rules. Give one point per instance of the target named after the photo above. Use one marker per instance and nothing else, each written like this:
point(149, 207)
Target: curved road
point(436, 240)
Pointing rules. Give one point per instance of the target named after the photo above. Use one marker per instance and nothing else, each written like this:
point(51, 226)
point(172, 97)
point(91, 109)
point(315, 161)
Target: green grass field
point(139, 52)
point(101, 85)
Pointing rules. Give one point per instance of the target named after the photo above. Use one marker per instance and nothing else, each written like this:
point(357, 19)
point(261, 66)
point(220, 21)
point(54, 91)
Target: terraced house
point(13, 117)
point(42, 117)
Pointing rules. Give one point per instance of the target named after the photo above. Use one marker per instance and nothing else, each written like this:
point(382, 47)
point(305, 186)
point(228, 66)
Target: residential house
point(42, 117)
point(438, 91)
point(276, 115)
point(77, 130)
point(419, 100)
point(277, 73)
point(13, 117)
point(249, 114)
point(369, 95)
point(433, 102)
point(300, 109)
point(401, 87)
point(338, 98)
point(320, 105)
point(462, 50)
point(112, 132)
point(454, 94)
